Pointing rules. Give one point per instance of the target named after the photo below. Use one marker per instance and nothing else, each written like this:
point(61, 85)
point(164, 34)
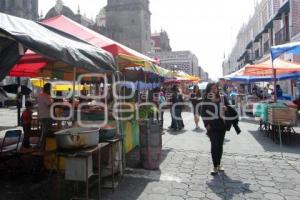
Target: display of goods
point(282, 115)
point(261, 110)
point(75, 138)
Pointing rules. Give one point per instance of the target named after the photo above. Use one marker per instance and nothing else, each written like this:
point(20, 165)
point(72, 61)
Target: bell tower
point(129, 22)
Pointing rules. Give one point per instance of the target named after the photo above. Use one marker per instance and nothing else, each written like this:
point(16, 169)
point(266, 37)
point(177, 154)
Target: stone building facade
point(274, 22)
point(60, 9)
point(178, 60)
point(27, 9)
point(160, 42)
point(129, 22)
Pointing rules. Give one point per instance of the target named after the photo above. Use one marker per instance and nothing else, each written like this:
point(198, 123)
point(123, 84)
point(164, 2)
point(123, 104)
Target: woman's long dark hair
point(208, 89)
point(197, 93)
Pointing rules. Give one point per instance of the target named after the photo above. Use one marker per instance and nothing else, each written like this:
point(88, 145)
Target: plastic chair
point(11, 144)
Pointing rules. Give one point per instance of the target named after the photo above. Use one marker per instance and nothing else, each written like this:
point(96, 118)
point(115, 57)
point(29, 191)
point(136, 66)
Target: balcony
point(249, 58)
point(282, 36)
point(257, 55)
point(266, 47)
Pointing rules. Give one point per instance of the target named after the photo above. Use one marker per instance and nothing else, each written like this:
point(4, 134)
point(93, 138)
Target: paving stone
point(290, 192)
point(264, 178)
point(178, 192)
point(173, 198)
point(285, 186)
point(233, 190)
point(196, 194)
point(292, 197)
point(260, 173)
point(180, 185)
point(214, 196)
point(160, 190)
point(233, 185)
point(279, 175)
point(253, 195)
point(197, 187)
point(266, 183)
point(272, 196)
point(270, 190)
point(281, 180)
point(216, 190)
point(156, 197)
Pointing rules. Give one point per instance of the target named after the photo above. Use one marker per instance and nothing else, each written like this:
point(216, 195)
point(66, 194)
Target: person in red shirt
point(26, 119)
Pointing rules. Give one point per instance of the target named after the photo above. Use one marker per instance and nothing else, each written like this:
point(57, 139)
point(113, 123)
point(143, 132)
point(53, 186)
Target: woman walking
point(213, 108)
point(195, 100)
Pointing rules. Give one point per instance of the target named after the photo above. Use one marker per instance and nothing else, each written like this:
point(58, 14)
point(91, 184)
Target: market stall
point(77, 58)
point(276, 118)
point(124, 56)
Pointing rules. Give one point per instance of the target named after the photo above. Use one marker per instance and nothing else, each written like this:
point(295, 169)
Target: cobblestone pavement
point(185, 175)
point(255, 168)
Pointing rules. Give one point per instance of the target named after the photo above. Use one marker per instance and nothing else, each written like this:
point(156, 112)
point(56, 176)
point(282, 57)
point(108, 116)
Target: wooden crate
point(282, 116)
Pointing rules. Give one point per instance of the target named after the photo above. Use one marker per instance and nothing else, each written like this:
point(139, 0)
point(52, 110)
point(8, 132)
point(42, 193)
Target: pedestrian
point(279, 92)
point(44, 102)
point(195, 99)
point(161, 103)
point(26, 119)
point(176, 109)
point(212, 110)
point(173, 100)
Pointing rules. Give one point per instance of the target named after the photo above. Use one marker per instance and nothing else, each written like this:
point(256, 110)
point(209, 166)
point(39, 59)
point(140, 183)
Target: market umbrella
point(267, 69)
point(13, 88)
point(276, 51)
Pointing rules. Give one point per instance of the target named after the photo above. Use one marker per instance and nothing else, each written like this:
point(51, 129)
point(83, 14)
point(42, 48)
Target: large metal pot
point(74, 138)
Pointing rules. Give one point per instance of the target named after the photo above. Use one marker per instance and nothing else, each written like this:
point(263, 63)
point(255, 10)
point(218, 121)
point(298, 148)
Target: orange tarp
point(265, 68)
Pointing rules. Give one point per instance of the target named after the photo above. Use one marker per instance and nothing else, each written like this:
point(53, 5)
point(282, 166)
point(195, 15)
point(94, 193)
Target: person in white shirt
point(44, 101)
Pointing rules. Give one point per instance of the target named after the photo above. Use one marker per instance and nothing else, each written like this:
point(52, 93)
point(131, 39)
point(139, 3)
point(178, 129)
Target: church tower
point(129, 22)
point(27, 9)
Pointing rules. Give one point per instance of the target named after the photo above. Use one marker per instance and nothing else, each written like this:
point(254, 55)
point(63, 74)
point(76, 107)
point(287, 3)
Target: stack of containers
point(150, 144)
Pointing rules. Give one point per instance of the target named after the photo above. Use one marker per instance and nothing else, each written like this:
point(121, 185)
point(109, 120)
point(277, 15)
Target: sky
point(208, 28)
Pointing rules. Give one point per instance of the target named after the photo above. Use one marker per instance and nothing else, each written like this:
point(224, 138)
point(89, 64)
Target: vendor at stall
point(44, 102)
point(279, 91)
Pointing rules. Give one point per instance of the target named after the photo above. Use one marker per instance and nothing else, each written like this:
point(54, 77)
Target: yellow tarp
point(59, 86)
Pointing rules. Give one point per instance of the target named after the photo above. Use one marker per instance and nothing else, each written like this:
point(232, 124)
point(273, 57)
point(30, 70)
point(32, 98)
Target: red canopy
point(31, 63)
point(69, 26)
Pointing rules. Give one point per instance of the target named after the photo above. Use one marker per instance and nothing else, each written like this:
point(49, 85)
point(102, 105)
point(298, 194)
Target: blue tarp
point(292, 48)
point(253, 79)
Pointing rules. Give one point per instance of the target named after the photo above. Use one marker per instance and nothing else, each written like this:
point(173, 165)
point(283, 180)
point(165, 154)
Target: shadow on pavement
point(289, 145)
point(249, 120)
point(135, 181)
point(199, 130)
point(172, 132)
point(226, 188)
